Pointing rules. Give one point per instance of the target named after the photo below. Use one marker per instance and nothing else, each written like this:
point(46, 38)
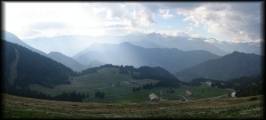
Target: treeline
point(65, 96)
point(157, 73)
point(247, 86)
point(146, 86)
point(244, 86)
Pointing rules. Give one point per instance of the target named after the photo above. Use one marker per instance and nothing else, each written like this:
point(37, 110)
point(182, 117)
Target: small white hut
point(209, 83)
point(233, 94)
point(188, 93)
point(154, 97)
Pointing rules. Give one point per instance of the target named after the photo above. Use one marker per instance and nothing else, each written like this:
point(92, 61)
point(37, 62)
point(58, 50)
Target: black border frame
point(262, 34)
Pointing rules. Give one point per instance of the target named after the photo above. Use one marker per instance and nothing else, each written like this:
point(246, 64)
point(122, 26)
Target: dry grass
point(21, 107)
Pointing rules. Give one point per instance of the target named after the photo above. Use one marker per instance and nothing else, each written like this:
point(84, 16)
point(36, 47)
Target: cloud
point(48, 25)
point(92, 19)
point(141, 18)
point(67, 18)
point(165, 13)
point(135, 14)
point(236, 22)
point(154, 6)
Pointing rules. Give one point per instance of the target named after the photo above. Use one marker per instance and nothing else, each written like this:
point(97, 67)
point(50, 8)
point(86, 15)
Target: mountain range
point(72, 44)
point(171, 59)
point(24, 68)
point(185, 64)
point(122, 70)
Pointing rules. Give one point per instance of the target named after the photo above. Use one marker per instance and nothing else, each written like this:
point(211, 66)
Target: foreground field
point(246, 107)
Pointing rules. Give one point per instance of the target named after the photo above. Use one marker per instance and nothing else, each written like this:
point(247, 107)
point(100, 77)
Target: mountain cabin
point(154, 98)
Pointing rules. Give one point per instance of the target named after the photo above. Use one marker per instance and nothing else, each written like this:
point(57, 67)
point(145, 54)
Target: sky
point(223, 21)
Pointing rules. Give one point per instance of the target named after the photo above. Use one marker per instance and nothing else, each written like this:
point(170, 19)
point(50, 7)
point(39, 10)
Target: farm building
point(233, 94)
point(154, 97)
point(209, 83)
point(188, 93)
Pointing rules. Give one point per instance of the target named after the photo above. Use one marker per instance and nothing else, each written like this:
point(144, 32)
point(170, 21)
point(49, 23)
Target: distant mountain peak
point(128, 44)
point(12, 38)
point(237, 53)
point(55, 53)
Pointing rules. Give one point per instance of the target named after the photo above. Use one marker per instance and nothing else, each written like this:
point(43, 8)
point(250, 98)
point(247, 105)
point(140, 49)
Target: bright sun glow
point(66, 18)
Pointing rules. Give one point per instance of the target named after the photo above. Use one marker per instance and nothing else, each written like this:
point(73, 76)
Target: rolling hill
point(116, 82)
point(230, 66)
point(127, 84)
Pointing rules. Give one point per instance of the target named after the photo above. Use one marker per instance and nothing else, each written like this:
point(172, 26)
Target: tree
point(99, 94)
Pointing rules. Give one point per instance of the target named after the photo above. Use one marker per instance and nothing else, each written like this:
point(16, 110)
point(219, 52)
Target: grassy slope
point(119, 88)
point(21, 107)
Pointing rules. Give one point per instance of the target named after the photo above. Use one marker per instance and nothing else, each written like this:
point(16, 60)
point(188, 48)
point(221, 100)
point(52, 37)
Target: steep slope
point(170, 59)
point(67, 61)
point(14, 39)
point(230, 66)
point(23, 67)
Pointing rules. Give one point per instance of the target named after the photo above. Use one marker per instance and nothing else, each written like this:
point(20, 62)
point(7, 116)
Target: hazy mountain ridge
point(230, 66)
point(59, 57)
point(72, 44)
point(67, 61)
point(171, 59)
point(185, 43)
point(14, 39)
